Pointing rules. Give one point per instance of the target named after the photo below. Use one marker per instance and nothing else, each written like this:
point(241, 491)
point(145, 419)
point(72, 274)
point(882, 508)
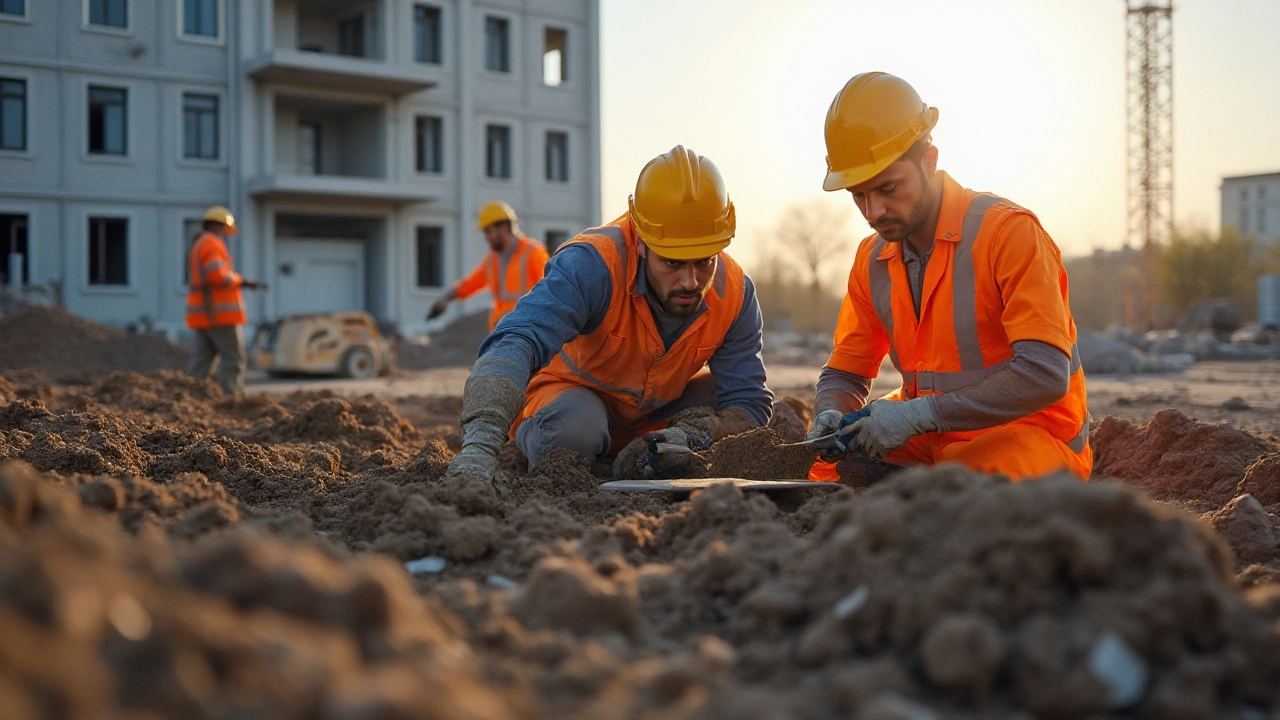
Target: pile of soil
point(455, 346)
point(68, 347)
point(166, 550)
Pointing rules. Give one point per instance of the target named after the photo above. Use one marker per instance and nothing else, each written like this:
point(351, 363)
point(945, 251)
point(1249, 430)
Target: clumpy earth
point(68, 347)
point(169, 552)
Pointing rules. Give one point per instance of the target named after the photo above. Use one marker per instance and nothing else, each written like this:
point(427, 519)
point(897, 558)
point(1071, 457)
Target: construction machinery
point(344, 343)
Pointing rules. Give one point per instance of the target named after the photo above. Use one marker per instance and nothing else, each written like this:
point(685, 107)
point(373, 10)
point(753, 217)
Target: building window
point(555, 69)
point(1244, 220)
point(308, 148)
point(13, 114)
point(107, 121)
point(1262, 220)
point(497, 151)
point(110, 13)
point(13, 243)
point(557, 156)
point(200, 126)
point(200, 18)
point(426, 34)
point(13, 7)
point(555, 238)
point(430, 259)
point(497, 51)
point(108, 251)
point(429, 142)
point(351, 36)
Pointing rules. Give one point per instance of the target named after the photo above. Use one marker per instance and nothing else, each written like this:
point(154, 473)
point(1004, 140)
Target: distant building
point(354, 141)
point(1251, 204)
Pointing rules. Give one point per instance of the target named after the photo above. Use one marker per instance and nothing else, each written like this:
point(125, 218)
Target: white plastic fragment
point(425, 566)
point(1113, 663)
point(851, 603)
point(900, 708)
point(502, 583)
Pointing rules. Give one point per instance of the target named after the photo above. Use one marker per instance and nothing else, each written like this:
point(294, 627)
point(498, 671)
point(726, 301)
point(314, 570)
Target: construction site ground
point(166, 551)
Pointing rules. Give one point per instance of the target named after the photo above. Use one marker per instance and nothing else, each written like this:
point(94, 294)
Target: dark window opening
point(200, 126)
point(430, 259)
point(200, 17)
point(426, 34)
point(497, 52)
point(13, 7)
point(15, 256)
point(557, 156)
point(111, 13)
point(108, 251)
point(13, 114)
point(556, 238)
point(429, 144)
point(555, 66)
point(497, 151)
point(351, 36)
point(107, 118)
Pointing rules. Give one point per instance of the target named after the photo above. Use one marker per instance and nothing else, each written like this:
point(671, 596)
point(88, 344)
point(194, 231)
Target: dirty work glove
point(490, 402)
point(891, 424)
point(438, 309)
point(253, 284)
point(826, 423)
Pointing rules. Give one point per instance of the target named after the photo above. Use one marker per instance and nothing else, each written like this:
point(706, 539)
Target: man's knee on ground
point(563, 425)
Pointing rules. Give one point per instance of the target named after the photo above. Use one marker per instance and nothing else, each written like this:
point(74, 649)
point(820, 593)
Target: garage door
point(316, 276)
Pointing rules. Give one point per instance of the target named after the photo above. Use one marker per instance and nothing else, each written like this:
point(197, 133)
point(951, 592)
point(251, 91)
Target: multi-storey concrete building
point(354, 141)
point(1251, 204)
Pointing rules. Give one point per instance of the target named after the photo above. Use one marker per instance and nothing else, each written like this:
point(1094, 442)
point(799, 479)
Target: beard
point(670, 307)
point(896, 229)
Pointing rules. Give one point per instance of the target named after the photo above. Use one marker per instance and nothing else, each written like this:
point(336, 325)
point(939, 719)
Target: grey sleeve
point(1036, 377)
point(840, 390)
point(737, 366)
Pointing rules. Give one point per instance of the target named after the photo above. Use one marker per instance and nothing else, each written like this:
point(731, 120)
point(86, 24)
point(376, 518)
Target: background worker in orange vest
point(613, 341)
point(215, 307)
point(509, 271)
point(964, 291)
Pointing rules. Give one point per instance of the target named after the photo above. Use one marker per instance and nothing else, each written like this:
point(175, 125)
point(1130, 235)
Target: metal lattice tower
point(1149, 87)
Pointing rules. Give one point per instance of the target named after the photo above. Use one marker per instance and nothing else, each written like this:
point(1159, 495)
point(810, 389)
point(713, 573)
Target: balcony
point(334, 44)
point(334, 188)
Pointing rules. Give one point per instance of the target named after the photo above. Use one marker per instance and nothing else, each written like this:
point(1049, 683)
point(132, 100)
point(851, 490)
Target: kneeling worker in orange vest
point(514, 265)
point(215, 307)
point(613, 341)
point(963, 290)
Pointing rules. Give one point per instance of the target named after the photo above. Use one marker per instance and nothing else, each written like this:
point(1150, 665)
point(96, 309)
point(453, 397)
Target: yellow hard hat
point(681, 208)
point(217, 213)
point(874, 119)
point(495, 211)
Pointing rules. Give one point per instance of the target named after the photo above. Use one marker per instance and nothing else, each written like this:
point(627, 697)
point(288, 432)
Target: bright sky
point(1031, 95)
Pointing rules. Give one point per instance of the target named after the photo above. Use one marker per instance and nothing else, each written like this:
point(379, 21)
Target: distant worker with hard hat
point(513, 266)
point(215, 306)
point(613, 342)
point(965, 292)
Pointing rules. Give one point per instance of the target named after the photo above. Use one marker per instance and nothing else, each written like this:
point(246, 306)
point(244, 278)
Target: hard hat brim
point(845, 179)
point(231, 229)
point(700, 250)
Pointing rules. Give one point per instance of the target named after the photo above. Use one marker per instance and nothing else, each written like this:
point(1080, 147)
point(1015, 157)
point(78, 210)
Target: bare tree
point(816, 236)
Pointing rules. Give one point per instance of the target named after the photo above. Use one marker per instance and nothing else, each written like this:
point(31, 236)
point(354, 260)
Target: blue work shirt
point(573, 298)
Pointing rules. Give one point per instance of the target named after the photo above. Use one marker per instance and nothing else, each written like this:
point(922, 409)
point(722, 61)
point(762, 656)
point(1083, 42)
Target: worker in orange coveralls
point(964, 291)
point(510, 271)
point(215, 305)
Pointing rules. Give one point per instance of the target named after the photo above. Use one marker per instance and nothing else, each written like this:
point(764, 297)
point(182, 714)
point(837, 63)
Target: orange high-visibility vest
point(213, 297)
point(994, 278)
point(509, 278)
point(623, 360)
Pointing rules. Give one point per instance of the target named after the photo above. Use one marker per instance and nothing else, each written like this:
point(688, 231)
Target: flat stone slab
point(692, 484)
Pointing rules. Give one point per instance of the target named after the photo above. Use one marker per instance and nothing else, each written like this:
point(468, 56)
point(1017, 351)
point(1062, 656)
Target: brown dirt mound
point(66, 346)
point(1173, 457)
point(231, 524)
point(455, 346)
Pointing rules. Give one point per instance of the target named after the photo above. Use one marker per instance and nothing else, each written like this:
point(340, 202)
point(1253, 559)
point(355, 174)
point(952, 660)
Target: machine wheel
point(359, 364)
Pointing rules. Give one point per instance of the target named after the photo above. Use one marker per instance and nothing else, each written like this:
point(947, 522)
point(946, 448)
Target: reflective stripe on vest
point(1081, 440)
point(502, 263)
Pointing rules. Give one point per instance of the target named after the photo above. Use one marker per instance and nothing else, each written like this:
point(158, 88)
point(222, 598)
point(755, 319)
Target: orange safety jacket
point(509, 278)
point(213, 298)
point(994, 278)
point(623, 360)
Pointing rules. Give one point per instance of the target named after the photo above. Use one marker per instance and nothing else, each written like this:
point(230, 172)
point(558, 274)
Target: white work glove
point(891, 424)
point(825, 423)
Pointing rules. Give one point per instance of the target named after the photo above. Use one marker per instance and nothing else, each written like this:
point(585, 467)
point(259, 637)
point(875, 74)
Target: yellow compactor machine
point(345, 343)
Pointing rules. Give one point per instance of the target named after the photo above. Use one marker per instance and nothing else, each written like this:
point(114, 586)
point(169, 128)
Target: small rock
point(895, 707)
point(1236, 403)
point(500, 582)
point(1113, 663)
point(1247, 528)
point(425, 566)
point(851, 603)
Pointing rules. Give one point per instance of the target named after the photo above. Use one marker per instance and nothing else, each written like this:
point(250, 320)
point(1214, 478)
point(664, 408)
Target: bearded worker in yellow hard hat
point(215, 305)
point(513, 266)
point(614, 341)
point(966, 294)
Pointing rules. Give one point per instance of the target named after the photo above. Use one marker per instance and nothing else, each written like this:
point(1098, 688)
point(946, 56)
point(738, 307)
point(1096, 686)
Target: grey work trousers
point(578, 420)
point(225, 345)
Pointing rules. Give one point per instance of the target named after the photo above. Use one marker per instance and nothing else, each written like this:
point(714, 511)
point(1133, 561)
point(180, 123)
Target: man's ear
point(929, 161)
point(643, 250)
